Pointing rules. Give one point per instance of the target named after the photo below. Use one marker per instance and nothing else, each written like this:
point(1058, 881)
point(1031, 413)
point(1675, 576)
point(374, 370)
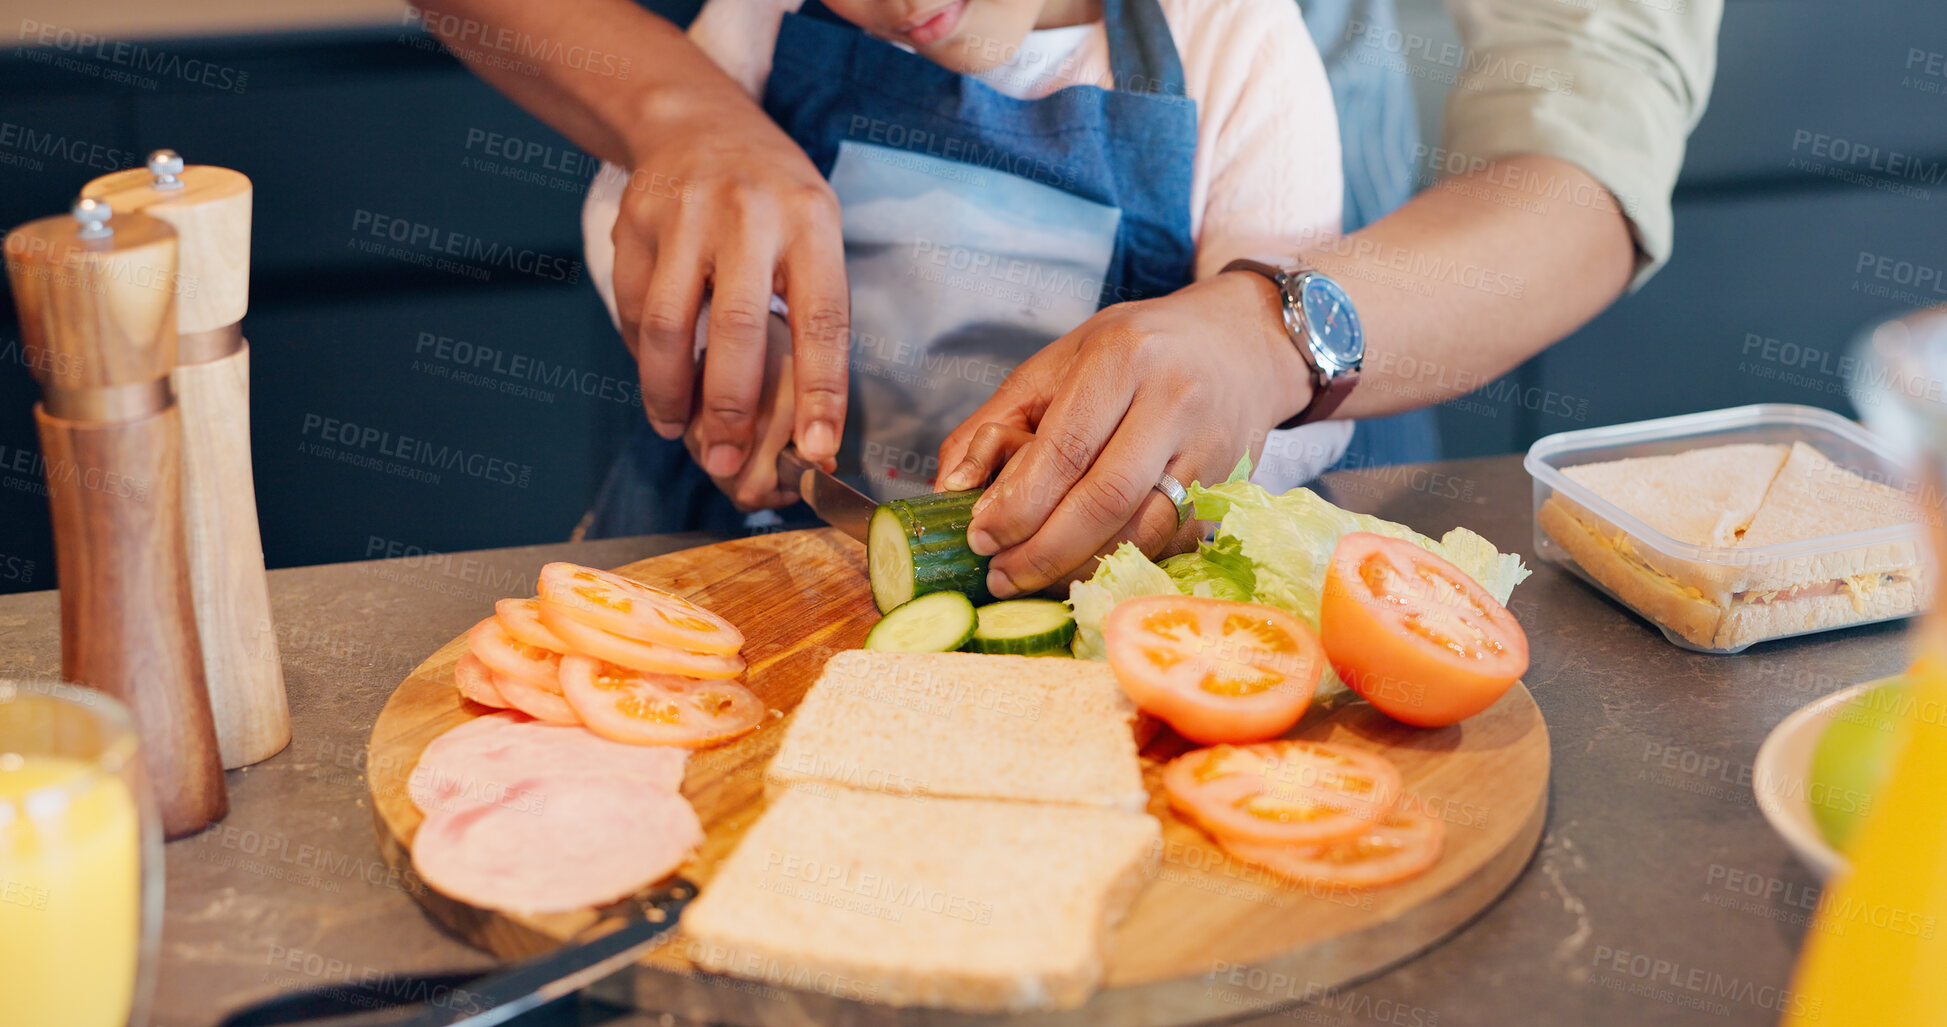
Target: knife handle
point(127, 622)
point(226, 561)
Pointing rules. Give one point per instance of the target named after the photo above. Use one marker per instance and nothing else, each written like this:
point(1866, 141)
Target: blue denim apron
point(654, 486)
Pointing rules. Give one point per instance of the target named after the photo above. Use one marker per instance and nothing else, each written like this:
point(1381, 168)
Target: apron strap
point(1142, 54)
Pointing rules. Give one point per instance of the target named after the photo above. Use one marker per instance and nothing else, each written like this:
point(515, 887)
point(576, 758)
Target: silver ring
point(1172, 488)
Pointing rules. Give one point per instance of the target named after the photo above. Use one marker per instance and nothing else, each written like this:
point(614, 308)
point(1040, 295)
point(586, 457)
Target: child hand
point(1181, 385)
point(755, 485)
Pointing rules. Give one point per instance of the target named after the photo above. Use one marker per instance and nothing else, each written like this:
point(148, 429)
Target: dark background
point(379, 120)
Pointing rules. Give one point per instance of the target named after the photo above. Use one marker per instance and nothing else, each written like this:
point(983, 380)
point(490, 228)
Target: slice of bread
point(964, 725)
point(1815, 498)
point(967, 904)
point(1703, 497)
point(1906, 594)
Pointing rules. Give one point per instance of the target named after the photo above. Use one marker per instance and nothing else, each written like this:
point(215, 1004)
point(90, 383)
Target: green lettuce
point(1123, 574)
point(1218, 570)
point(1270, 549)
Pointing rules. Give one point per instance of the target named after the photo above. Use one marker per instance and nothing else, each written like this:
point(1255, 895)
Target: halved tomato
point(535, 700)
point(626, 705)
point(475, 682)
point(522, 620)
point(635, 654)
point(1414, 635)
point(1216, 671)
point(1401, 844)
point(505, 654)
point(1283, 792)
point(622, 606)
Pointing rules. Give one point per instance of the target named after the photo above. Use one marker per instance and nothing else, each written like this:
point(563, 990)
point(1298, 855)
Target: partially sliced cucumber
point(1022, 626)
point(938, 622)
point(919, 545)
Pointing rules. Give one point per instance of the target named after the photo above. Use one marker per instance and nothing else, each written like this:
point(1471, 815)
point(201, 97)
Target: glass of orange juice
point(80, 861)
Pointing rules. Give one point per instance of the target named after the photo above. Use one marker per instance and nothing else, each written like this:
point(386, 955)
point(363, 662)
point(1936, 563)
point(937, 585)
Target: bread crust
point(1692, 617)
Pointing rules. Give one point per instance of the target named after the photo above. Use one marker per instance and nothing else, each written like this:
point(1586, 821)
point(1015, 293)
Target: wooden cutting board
point(1208, 938)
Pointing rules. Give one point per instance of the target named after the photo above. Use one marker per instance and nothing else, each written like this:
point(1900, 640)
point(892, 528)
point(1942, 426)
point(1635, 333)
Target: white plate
point(1781, 778)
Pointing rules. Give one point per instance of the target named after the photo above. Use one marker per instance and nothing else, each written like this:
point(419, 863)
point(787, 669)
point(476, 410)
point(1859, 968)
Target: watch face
point(1334, 324)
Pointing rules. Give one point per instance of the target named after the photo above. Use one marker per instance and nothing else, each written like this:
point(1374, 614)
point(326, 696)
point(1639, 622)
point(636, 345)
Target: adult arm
point(1560, 149)
point(720, 203)
point(1590, 105)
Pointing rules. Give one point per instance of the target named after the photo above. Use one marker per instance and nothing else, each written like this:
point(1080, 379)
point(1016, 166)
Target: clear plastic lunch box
point(1843, 442)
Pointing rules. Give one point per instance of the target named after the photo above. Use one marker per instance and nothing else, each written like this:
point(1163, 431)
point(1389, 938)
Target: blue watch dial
point(1333, 322)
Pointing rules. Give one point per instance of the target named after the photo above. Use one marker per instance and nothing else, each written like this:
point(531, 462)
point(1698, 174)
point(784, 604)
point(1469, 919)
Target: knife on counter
point(836, 503)
point(481, 1000)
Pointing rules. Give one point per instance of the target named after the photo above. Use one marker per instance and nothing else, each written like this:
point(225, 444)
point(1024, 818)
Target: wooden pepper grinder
point(97, 306)
point(209, 208)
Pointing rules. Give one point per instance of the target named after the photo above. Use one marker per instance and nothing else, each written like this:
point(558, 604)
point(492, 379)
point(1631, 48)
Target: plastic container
point(1843, 442)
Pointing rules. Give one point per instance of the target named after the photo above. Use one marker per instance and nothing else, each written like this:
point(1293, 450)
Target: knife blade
point(836, 503)
point(473, 1000)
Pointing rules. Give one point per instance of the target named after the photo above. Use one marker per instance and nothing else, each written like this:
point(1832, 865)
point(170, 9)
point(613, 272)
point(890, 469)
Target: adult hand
point(1181, 385)
point(720, 201)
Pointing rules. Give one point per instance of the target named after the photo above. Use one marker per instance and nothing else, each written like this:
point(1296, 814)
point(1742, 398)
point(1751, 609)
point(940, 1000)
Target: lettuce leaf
point(1123, 574)
point(1218, 570)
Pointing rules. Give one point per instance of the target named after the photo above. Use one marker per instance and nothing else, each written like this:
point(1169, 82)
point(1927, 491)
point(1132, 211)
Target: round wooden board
point(1209, 938)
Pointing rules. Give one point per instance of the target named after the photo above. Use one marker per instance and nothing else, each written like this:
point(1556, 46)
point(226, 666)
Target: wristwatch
point(1322, 323)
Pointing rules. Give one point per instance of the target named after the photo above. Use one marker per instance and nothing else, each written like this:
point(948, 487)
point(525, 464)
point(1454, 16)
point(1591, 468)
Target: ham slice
point(585, 840)
point(483, 760)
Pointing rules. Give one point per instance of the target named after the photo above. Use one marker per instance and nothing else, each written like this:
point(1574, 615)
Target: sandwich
point(941, 829)
point(1737, 551)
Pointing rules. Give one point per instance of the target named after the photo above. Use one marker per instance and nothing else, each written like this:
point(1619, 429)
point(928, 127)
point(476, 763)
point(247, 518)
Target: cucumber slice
point(938, 622)
point(1061, 653)
point(919, 545)
point(1022, 626)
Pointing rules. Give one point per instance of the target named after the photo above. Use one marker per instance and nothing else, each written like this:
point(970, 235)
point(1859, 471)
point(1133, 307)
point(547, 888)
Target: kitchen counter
point(1659, 893)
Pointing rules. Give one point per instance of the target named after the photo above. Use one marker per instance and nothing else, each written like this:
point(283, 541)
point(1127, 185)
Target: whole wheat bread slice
point(970, 904)
point(1034, 729)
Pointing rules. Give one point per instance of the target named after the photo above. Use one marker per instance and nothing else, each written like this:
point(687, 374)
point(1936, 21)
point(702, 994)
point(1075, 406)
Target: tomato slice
point(1216, 671)
point(506, 655)
point(475, 682)
point(625, 705)
point(635, 654)
point(1414, 635)
point(622, 606)
point(521, 619)
point(535, 700)
point(1283, 792)
point(1402, 843)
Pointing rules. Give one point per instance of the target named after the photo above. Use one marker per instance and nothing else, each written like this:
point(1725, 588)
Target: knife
point(475, 1000)
point(836, 503)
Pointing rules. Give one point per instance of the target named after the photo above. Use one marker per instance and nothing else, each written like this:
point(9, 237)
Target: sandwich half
point(1736, 501)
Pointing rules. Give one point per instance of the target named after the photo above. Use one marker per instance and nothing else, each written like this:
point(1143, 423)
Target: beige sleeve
point(1612, 86)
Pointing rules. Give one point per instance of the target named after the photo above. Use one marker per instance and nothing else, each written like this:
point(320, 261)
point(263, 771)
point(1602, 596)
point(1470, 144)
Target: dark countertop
point(1659, 893)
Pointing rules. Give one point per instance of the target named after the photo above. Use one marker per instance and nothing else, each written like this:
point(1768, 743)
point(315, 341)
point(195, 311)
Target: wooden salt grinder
point(209, 207)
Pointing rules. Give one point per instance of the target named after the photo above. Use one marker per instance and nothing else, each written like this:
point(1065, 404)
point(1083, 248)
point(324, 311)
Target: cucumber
point(1023, 626)
point(937, 622)
point(919, 545)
